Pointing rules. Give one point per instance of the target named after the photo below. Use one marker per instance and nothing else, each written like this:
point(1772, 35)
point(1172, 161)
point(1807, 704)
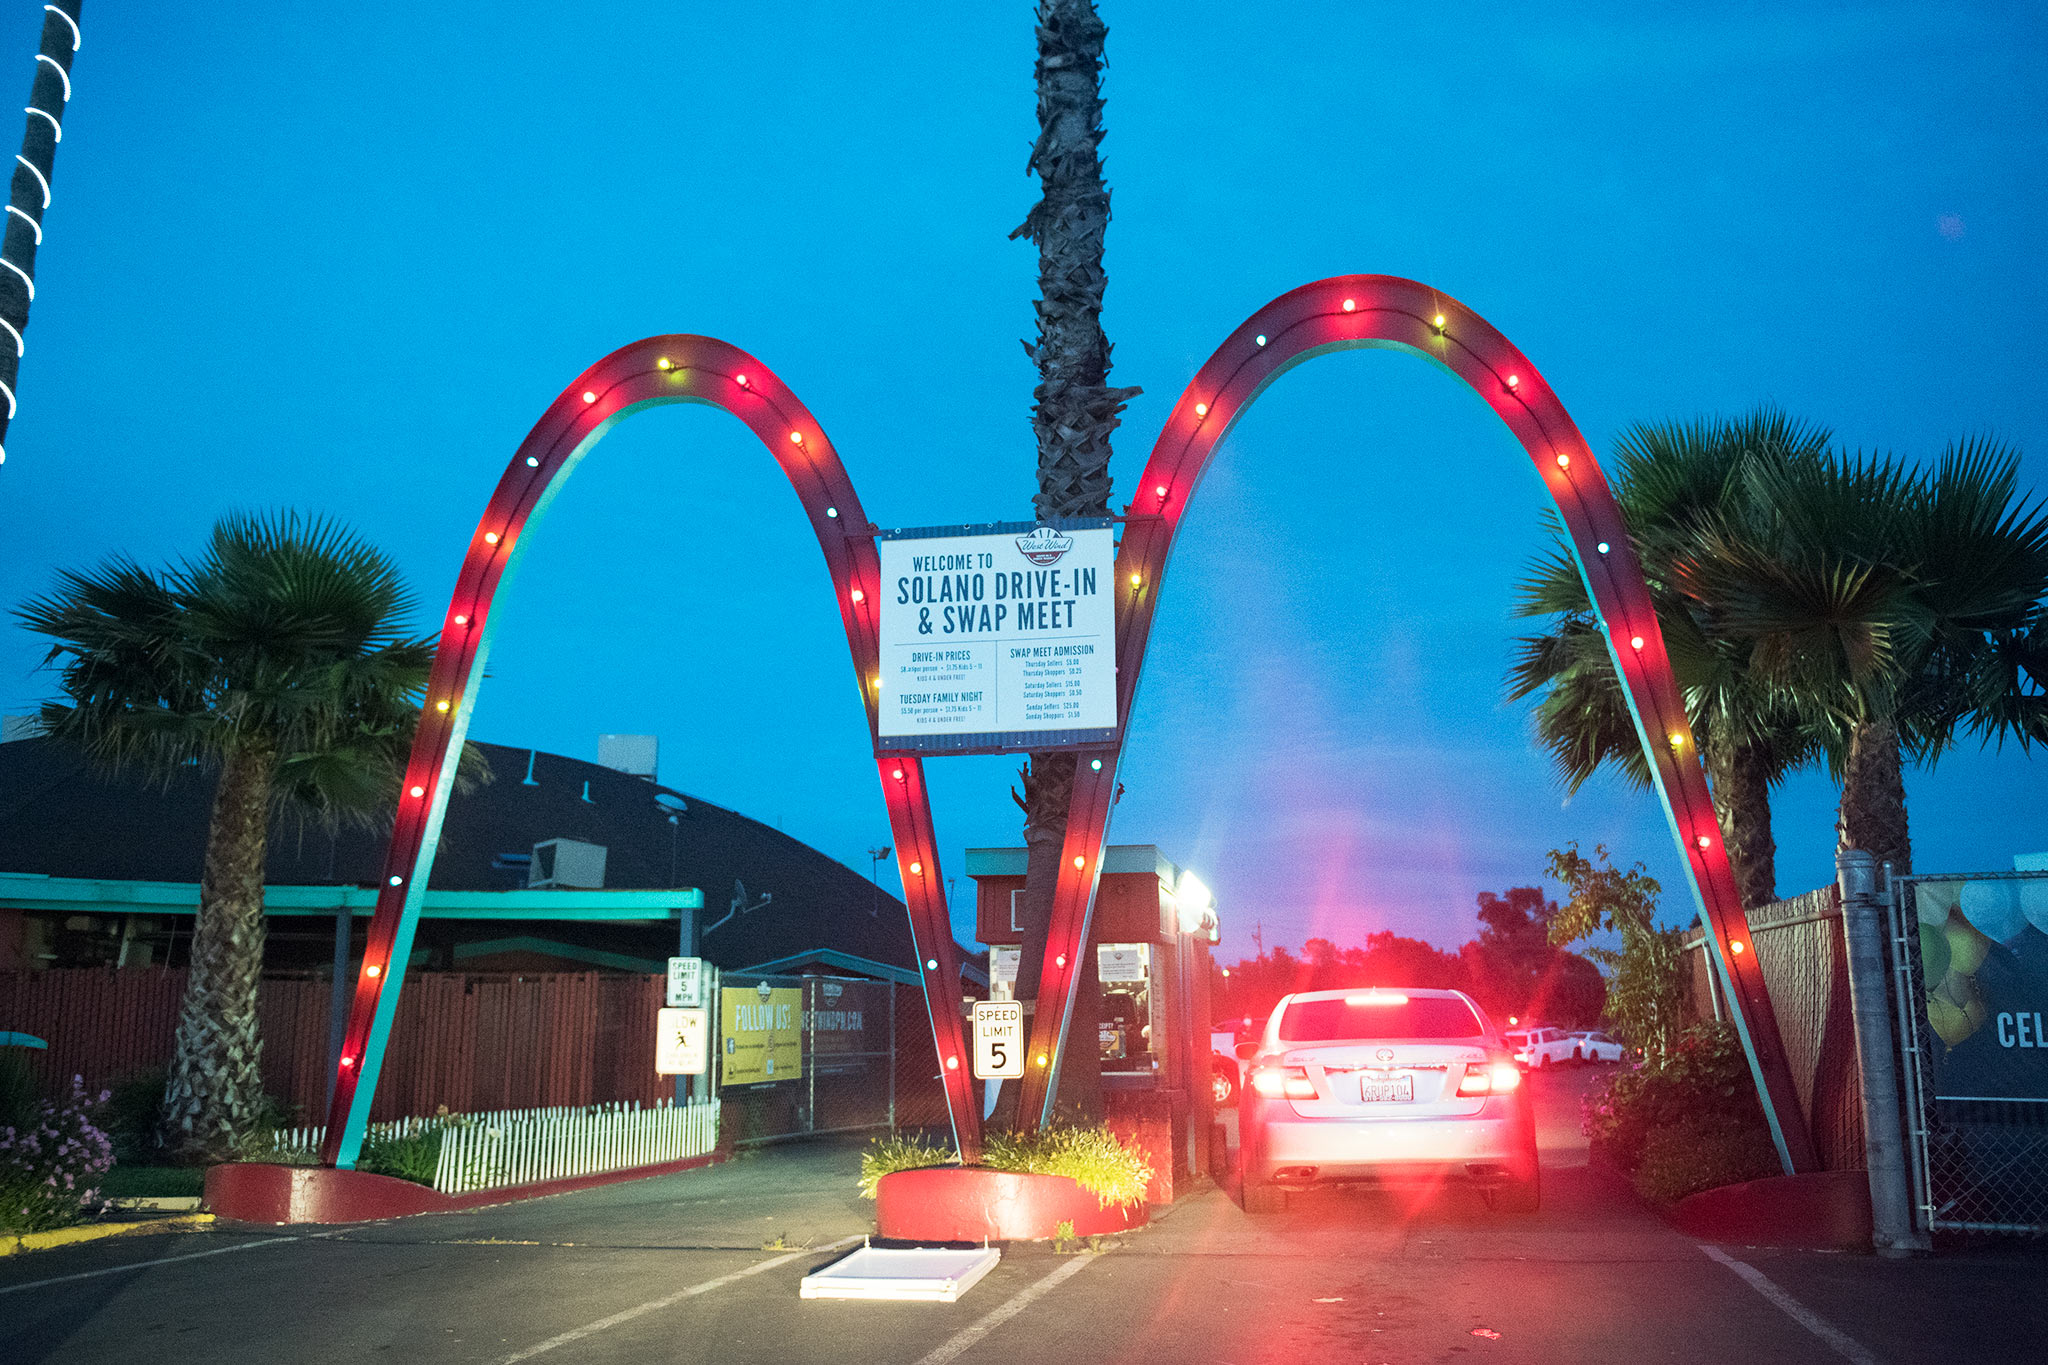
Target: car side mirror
point(1246, 1051)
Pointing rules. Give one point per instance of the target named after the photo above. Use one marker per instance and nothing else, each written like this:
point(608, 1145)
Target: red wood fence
point(470, 1042)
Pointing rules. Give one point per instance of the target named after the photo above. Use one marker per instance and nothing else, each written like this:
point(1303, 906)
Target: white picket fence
point(520, 1146)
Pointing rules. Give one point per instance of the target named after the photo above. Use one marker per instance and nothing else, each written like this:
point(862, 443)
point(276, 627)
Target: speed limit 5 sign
point(998, 1039)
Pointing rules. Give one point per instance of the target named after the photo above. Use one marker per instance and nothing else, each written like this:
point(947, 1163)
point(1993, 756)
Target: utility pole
point(1884, 1141)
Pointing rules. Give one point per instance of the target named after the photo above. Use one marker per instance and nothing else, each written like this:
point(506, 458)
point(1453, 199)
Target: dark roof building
point(97, 866)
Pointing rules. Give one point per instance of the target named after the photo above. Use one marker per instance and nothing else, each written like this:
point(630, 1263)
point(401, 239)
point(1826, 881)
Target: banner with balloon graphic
point(1984, 964)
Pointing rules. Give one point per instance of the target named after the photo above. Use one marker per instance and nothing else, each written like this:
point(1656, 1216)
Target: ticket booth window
point(1127, 1032)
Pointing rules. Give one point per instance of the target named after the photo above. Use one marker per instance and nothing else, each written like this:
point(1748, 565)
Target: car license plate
point(1395, 1089)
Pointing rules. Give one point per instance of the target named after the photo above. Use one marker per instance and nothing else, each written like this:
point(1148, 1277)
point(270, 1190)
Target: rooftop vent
point(567, 863)
point(635, 754)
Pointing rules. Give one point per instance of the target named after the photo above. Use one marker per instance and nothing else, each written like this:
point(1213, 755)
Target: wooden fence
point(467, 1041)
point(1800, 948)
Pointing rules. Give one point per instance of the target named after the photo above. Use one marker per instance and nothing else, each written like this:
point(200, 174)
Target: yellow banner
point(763, 1035)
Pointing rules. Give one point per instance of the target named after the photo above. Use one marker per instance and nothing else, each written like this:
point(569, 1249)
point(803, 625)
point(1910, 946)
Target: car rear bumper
point(1497, 1143)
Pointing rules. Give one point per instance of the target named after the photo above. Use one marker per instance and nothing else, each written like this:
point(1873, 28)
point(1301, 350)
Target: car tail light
point(1496, 1078)
point(1290, 1081)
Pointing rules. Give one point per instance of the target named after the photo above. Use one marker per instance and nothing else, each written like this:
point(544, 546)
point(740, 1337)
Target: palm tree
point(280, 659)
point(1074, 415)
point(1893, 607)
point(1670, 480)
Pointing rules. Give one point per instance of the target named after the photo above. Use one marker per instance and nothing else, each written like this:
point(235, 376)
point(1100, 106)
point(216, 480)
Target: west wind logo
point(1044, 546)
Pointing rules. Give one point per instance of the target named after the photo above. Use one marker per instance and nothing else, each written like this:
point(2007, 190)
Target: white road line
point(1792, 1308)
point(655, 1305)
point(967, 1336)
point(161, 1260)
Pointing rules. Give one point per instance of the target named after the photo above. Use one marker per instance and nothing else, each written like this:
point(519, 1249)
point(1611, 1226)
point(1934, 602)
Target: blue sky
point(340, 258)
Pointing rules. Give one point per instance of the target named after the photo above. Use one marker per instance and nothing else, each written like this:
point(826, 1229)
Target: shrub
point(414, 1156)
point(18, 1094)
point(1679, 1159)
point(49, 1167)
point(897, 1152)
point(130, 1114)
point(1705, 1075)
point(1092, 1157)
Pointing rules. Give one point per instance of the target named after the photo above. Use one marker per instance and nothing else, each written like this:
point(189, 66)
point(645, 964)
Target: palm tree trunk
point(1872, 815)
point(1740, 773)
point(216, 1086)
point(1075, 413)
point(29, 192)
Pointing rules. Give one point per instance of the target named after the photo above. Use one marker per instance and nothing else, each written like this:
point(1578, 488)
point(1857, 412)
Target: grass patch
point(152, 1182)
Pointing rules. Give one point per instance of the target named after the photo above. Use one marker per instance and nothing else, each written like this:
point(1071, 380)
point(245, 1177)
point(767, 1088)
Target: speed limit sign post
point(998, 1040)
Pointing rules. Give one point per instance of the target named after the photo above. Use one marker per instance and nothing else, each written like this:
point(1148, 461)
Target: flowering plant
point(50, 1166)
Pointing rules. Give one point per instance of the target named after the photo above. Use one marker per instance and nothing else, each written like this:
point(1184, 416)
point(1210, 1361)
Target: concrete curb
point(95, 1232)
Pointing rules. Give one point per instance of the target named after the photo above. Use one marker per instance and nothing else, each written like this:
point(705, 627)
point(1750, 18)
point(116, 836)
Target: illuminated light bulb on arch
point(373, 970)
point(1042, 1059)
point(796, 438)
point(1677, 740)
point(490, 537)
point(917, 869)
point(1635, 642)
point(1438, 322)
point(589, 397)
point(1704, 841)
point(1060, 961)
point(397, 880)
point(1201, 409)
point(462, 620)
point(952, 1063)
point(1260, 339)
point(1095, 764)
point(1736, 945)
point(440, 706)
point(348, 1061)
point(832, 512)
point(740, 380)
point(1351, 305)
point(419, 791)
point(1601, 547)
point(1564, 462)
point(664, 364)
point(1079, 862)
point(931, 964)
point(1514, 381)
point(1136, 579)
point(859, 596)
point(898, 774)
point(1159, 490)
point(532, 462)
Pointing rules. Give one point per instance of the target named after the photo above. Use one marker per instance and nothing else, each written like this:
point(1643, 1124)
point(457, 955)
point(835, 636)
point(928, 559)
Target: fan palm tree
point(1670, 480)
point(279, 658)
point(1893, 607)
point(1074, 414)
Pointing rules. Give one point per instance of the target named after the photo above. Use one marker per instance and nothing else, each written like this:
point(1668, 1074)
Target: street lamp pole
point(875, 856)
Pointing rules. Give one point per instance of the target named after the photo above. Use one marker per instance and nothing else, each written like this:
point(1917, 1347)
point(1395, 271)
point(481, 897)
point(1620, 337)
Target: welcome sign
point(998, 637)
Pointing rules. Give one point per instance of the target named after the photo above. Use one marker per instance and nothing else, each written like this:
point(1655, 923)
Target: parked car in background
point(1539, 1047)
point(1384, 1086)
point(1226, 1073)
point(1591, 1045)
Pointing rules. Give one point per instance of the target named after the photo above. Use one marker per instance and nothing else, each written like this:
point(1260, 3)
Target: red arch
point(650, 373)
point(1381, 310)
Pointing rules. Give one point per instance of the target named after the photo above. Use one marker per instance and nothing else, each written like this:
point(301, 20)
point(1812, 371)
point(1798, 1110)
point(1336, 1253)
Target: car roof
point(1412, 992)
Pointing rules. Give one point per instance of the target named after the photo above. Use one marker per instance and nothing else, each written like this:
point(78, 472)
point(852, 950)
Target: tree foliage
point(1645, 976)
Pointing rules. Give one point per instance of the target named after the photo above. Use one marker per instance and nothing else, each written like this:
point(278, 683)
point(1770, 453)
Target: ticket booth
point(1154, 924)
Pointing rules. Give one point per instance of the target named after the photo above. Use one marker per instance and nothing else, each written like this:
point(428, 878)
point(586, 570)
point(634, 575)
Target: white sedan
point(1593, 1046)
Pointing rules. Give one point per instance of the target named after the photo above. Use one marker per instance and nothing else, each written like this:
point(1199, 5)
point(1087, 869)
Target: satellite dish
point(671, 802)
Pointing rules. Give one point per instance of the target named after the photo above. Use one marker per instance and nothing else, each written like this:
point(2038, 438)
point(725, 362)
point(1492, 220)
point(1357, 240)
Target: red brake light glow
point(1496, 1079)
point(1292, 1082)
point(1377, 998)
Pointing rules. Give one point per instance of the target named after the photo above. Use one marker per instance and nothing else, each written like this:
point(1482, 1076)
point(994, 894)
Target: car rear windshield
point(1325, 1021)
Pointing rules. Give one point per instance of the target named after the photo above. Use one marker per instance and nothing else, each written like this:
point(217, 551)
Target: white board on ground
point(919, 1274)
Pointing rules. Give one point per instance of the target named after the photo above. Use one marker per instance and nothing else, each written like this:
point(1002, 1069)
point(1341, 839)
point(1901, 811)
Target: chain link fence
point(1971, 963)
point(800, 1056)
